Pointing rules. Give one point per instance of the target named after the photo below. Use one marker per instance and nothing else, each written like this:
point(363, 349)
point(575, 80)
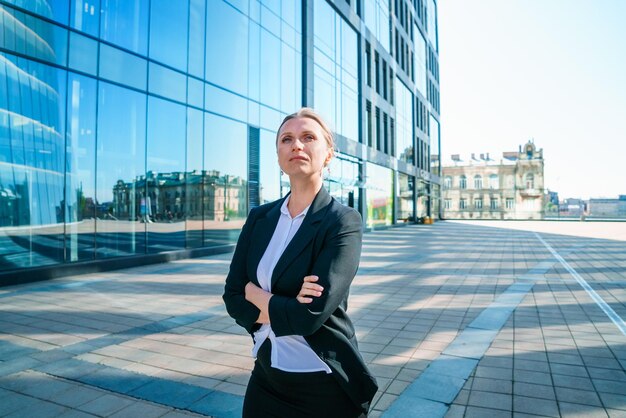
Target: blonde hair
point(307, 112)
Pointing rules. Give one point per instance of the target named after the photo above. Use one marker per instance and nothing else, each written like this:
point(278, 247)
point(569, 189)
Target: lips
point(298, 157)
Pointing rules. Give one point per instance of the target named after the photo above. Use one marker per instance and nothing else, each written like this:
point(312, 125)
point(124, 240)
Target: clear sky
point(552, 70)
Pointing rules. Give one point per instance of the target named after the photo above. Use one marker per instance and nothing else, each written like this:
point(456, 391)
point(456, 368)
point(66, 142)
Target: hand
point(260, 298)
point(309, 288)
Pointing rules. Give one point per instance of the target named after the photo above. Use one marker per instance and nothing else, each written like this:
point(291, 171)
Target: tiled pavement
point(456, 319)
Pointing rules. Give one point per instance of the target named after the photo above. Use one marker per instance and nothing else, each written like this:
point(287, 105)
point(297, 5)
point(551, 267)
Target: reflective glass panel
point(197, 14)
point(56, 10)
point(380, 195)
point(83, 54)
point(225, 179)
point(404, 122)
point(168, 32)
point(80, 179)
point(85, 16)
point(125, 23)
point(405, 204)
point(32, 153)
point(122, 67)
point(32, 36)
point(165, 175)
point(269, 168)
point(194, 176)
point(420, 62)
point(167, 83)
point(122, 207)
point(227, 47)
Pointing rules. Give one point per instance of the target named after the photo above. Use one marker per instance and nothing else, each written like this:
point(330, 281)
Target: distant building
point(608, 208)
point(485, 188)
point(572, 207)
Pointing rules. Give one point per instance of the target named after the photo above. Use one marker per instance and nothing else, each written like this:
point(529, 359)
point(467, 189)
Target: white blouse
point(290, 353)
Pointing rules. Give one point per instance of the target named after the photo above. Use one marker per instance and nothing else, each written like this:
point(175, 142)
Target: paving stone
point(492, 385)
point(577, 396)
point(106, 405)
point(569, 370)
point(572, 382)
point(536, 406)
point(533, 390)
point(581, 411)
point(476, 412)
point(141, 409)
point(490, 400)
point(532, 377)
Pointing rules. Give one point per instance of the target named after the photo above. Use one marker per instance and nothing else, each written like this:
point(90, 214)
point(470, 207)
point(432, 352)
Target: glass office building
point(135, 129)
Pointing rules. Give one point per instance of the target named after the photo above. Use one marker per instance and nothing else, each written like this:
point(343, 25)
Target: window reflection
point(85, 16)
point(405, 205)
point(122, 206)
point(80, 179)
point(193, 197)
point(168, 34)
point(227, 36)
point(125, 23)
point(379, 195)
point(165, 176)
point(343, 179)
point(224, 178)
point(335, 83)
point(32, 129)
point(270, 170)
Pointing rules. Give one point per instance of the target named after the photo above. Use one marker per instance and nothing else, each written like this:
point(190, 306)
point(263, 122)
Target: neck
point(302, 193)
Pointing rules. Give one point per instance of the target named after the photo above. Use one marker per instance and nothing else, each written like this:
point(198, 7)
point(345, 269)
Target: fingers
point(309, 288)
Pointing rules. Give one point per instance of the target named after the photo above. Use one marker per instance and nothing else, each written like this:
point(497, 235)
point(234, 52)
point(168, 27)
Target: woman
point(288, 286)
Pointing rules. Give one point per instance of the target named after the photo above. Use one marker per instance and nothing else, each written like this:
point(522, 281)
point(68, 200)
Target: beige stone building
point(484, 188)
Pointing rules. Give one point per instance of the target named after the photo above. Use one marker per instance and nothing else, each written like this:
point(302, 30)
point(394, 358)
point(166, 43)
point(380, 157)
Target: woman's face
point(302, 148)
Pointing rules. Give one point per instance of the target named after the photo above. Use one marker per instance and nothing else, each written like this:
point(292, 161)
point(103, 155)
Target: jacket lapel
point(305, 233)
point(263, 231)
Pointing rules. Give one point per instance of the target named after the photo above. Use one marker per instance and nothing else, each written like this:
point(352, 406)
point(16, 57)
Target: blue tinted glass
point(80, 179)
point(270, 21)
point(125, 23)
point(197, 15)
point(226, 165)
point(122, 206)
point(85, 16)
point(227, 47)
point(168, 32)
point(32, 36)
point(122, 67)
point(83, 54)
point(193, 172)
point(167, 83)
point(32, 152)
point(225, 103)
point(195, 92)
point(269, 169)
point(165, 178)
point(270, 69)
point(56, 10)
point(254, 62)
point(289, 88)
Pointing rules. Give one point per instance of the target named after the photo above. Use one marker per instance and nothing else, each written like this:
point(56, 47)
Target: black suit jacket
point(328, 245)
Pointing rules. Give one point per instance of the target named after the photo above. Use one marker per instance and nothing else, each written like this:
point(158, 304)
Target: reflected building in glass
point(139, 131)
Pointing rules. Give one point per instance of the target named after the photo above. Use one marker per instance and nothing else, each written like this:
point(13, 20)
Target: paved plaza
point(456, 319)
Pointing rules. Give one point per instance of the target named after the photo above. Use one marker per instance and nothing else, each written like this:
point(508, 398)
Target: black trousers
point(273, 393)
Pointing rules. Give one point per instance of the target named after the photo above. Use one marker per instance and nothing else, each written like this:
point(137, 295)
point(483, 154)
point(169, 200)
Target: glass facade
point(130, 128)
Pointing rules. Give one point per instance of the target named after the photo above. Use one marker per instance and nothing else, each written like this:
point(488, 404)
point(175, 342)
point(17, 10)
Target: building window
point(493, 181)
point(478, 203)
point(368, 130)
point(368, 63)
point(530, 181)
point(478, 181)
point(447, 182)
point(510, 203)
point(447, 204)
point(463, 182)
point(493, 204)
point(463, 204)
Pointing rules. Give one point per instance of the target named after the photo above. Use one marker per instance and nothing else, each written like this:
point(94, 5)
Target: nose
point(297, 144)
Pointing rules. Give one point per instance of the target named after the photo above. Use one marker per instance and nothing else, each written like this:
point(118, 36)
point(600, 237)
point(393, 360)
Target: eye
point(309, 138)
point(286, 140)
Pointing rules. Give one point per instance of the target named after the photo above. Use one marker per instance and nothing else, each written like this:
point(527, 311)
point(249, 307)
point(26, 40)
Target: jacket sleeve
point(244, 312)
point(336, 266)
